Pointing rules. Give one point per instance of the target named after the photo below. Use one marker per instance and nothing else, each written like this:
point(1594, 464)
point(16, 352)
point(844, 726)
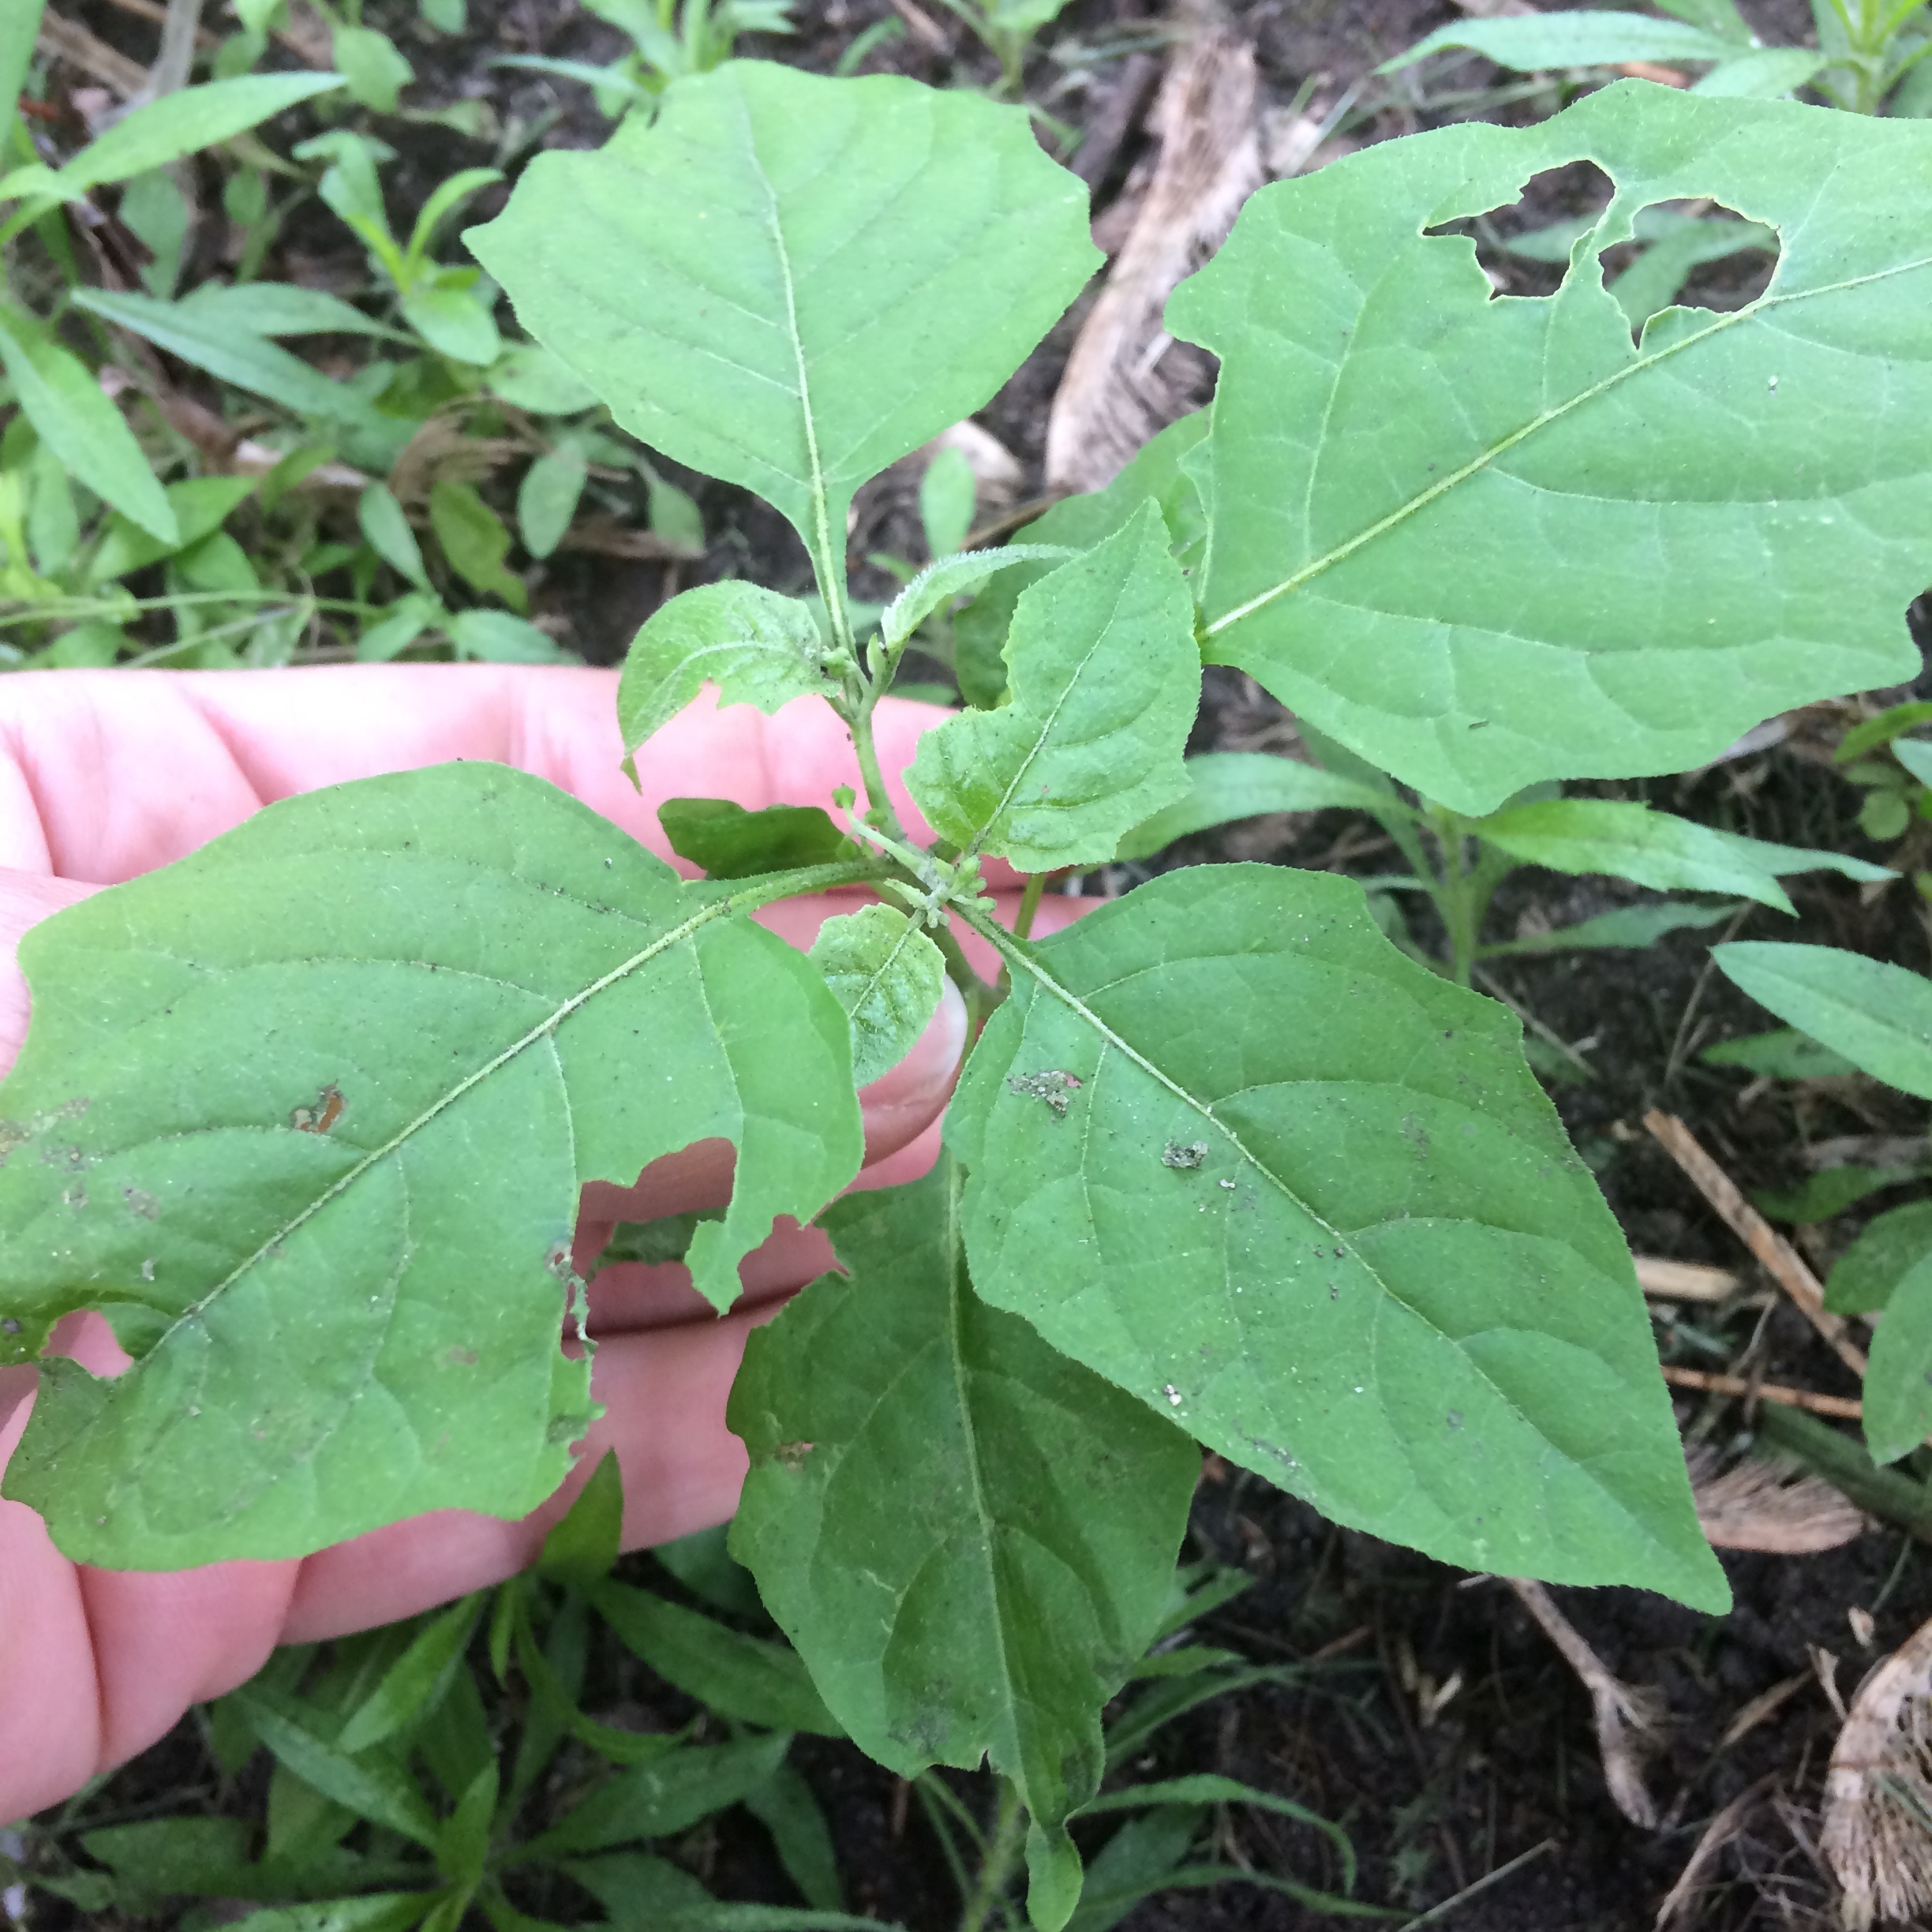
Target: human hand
point(106, 775)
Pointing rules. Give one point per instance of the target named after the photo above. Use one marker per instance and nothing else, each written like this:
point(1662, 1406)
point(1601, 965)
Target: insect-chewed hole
point(1524, 247)
point(1690, 254)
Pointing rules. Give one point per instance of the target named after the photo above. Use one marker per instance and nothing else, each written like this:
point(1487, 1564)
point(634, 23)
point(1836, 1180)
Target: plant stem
point(1029, 905)
point(1002, 1856)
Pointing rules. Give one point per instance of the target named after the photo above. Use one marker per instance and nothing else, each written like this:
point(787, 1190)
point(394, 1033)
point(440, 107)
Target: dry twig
point(1627, 1718)
point(1879, 1791)
point(1718, 1834)
point(1115, 393)
point(1778, 1256)
point(1684, 1281)
point(1846, 1407)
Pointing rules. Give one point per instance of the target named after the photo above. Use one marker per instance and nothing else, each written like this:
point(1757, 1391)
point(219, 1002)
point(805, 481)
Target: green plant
point(1223, 1164)
point(456, 1751)
point(1865, 51)
point(1895, 772)
point(1878, 1018)
point(668, 43)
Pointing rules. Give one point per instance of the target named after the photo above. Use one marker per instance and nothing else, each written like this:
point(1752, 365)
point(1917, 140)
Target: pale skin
point(106, 775)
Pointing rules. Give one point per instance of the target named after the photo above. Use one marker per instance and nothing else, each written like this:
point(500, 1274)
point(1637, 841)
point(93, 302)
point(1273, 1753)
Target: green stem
point(1002, 1858)
point(1029, 905)
point(1460, 897)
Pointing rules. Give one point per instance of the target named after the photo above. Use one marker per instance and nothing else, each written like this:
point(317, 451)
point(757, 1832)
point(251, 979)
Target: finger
point(104, 775)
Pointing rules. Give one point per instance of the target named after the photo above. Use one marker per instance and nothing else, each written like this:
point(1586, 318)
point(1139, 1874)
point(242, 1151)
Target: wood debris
point(1728, 1824)
point(1879, 1791)
point(1758, 1505)
point(1627, 1719)
point(1126, 377)
point(1684, 1281)
point(1846, 1408)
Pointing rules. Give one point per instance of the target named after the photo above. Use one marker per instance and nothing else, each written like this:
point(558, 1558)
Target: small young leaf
point(787, 1807)
point(63, 402)
point(732, 842)
point(183, 122)
point(938, 581)
point(655, 1800)
point(788, 281)
point(315, 1096)
point(1533, 42)
point(205, 1857)
point(887, 974)
point(375, 71)
point(372, 1786)
point(1915, 755)
point(1783, 1053)
point(1077, 523)
point(1133, 1864)
point(415, 1684)
point(217, 345)
point(1877, 1015)
point(474, 541)
point(1229, 1147)
point(452, 322)
point(1824, 1197)
point(969, 1537)
point(1637, 927)
point(387, 529)
point(1106, 681)
point(1898, 1379)
point(1863, 1277)
point(580, 1549)
point(673, 515)
point(1657, 849)
point(547, 498)
point(1397, 454)
point(758, 647)
point(1228, 785)
point(948, 492)
point(495, 637)
point(392, 634)
point(1054, 1875)
point(464, 1844)
point(744, 1677)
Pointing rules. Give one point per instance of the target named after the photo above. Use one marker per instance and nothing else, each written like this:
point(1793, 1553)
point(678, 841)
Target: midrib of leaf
point(1046, 729)
point(544, 1028)
point(1642, 364)
point(956, 1319)
point(874, 978)
point(1023, 957)
point(832, 576)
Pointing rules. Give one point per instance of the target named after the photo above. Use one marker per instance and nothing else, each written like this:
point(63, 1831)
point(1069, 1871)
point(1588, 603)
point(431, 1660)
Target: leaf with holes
point(306, 1115)
point(1485, 541)
point(1106, 680)
point(969, 1538)
point(1230, 1148)
point(789, 281)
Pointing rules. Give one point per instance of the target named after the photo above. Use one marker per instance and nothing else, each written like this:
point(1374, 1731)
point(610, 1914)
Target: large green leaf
point(1231, 1148)
point(1530, 42)
point(1228, 785)
point(1106, 680)
point(1485, 541)
point(969, 1538)
point(307, 1115)
point(790, 282)
point(1879, 1016)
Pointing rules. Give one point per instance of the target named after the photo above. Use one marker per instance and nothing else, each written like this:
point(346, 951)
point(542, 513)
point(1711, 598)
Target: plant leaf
point(59, 396)
point(583, 1545)
point(887, 974)
point(1532, 41)
point(183, 123)
point(1077, 523)
point(375, 72)
point(1229, 785)
point(1863, 1277)
point(1106, 680)
point(474, 539)
point(281, 309)
point(373, 1787)
point(789, 281)
point(1228, 1147)
point(758, 647)
point(1398, 457)
point(1878, 1016)
point(732, 842)
point(388, 530)
point(951, 575)
point(1763, 73)
point(747, 1678)
point(416, 1683)
point(969, 1537)
point(308, 1113)
point(1898, 1378)
point(1657, 849)
point(1637, 926)
point(1783, 1053)
point(654, 1800)
point(547, 499)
